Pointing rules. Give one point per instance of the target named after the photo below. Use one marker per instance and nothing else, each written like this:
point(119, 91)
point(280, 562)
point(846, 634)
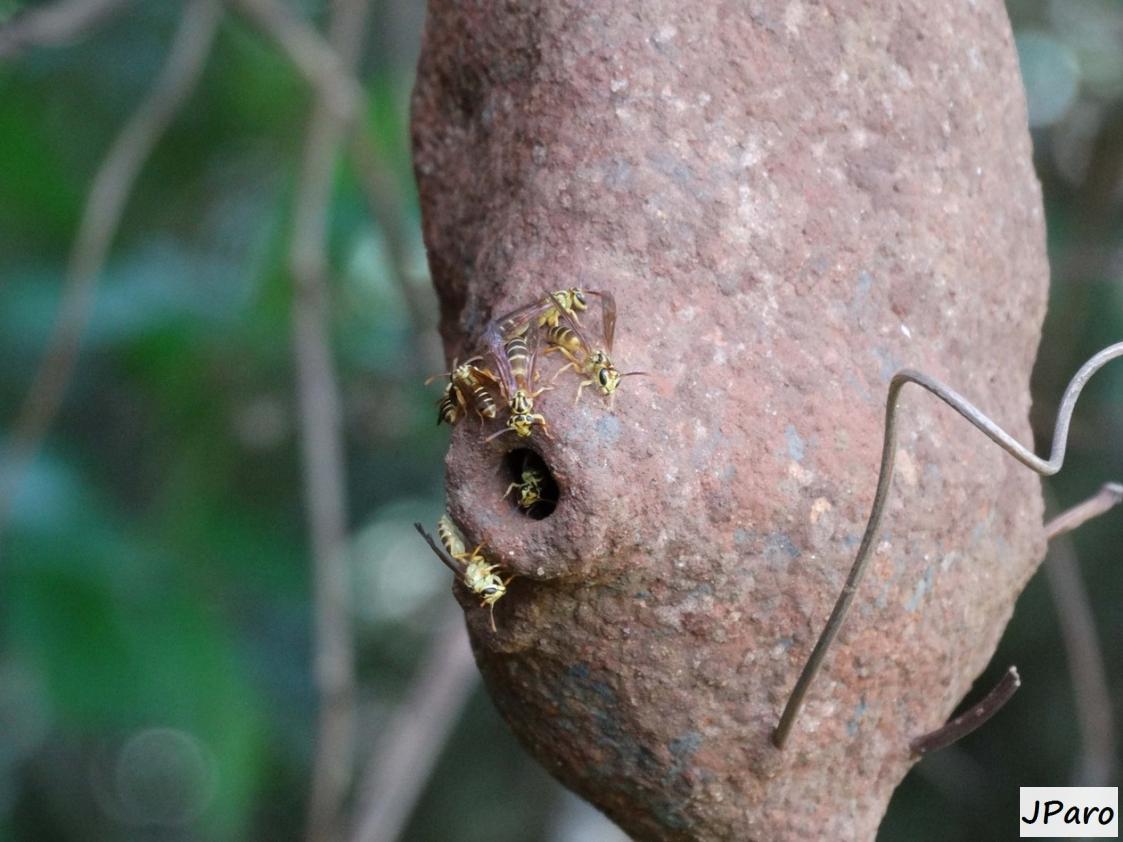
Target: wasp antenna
point(442, 554)
point(496, 435)
point(493, 628)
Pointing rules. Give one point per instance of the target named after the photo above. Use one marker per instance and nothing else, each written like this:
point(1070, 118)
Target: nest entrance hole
point(533, 491)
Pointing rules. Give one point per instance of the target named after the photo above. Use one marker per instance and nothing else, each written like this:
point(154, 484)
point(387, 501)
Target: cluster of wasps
point(506, 374)
point(512, 343)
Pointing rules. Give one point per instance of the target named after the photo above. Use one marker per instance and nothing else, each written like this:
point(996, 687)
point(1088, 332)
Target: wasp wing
point(532, 343)
point(493, 341)
point(518, 320)
point(608, 318)
point(442, 554)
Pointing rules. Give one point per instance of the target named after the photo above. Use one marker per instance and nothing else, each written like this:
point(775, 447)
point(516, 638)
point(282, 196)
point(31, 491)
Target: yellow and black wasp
point(515, 360)
point(594, 363)
point(530, 487)
point(544, 312)
point(468, 384)
point(471, 567)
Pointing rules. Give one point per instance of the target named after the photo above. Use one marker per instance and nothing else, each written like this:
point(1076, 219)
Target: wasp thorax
point(522, 424)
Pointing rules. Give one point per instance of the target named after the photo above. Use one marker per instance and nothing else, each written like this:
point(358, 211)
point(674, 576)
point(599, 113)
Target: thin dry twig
point(1109, 496)
point(322, 443)
point(885, 478)
point(970, 720)
point(403, 759)
point(1082, 647)
point(55, 25)
point(100, 219)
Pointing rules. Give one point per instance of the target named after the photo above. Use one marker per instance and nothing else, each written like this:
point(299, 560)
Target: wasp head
point(462, 374)
point(485, 582)
point(604, 372)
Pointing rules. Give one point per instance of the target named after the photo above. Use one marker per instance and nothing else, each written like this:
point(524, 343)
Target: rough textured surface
point(790, 200)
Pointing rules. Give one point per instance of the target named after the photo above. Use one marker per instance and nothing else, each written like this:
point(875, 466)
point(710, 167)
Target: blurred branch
point(387, 208)
point(100, 219)
point(54, 25)
point(1086, 663)
point(322, 67)
point(403, 760)
point(320, 61)
point(321, 433)
point(1082, 648)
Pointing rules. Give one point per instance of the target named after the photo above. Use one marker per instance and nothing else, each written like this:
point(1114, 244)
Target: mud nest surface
point(790, 200)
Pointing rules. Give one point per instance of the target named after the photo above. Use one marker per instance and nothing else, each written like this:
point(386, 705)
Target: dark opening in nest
point(533, 491)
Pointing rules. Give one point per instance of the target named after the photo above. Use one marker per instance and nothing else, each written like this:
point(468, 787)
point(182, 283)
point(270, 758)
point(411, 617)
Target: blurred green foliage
point(154, 593)
point(154, 658)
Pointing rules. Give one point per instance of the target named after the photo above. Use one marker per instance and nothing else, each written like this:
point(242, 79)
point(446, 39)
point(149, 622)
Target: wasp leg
point(465, 556)
point(573, 363)
point(510, 487)
point(581, 386)
point(541, 419)
point(483, 418)
point(558, 372)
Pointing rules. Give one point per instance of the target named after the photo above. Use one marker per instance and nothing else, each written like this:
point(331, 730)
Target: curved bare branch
point(1045, 467)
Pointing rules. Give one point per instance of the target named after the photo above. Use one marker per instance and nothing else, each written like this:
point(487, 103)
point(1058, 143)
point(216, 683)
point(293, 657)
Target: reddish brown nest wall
point(790, 200)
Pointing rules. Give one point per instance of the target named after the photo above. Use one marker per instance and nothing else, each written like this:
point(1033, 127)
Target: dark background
point(155, 613)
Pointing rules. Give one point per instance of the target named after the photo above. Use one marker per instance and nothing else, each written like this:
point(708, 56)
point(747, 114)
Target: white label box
point(1059, 812)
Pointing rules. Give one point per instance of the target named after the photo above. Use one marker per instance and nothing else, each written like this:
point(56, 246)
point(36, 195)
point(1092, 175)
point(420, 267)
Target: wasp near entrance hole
point(472, 567)
point(516, 358)
point(594, 363)
point(467, 384)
